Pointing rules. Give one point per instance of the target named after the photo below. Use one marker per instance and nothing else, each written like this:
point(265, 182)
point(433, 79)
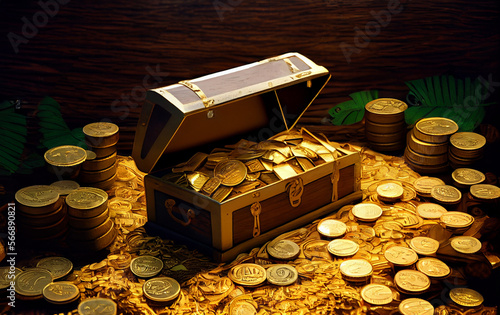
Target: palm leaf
point(352, 111)
point(449, 97)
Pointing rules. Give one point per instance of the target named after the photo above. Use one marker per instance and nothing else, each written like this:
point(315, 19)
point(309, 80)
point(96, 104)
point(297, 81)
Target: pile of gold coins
point(90, 227)
point(385, 126)
point(427, 144)
point(235, 169)
point(466, 148)
point(99, 168)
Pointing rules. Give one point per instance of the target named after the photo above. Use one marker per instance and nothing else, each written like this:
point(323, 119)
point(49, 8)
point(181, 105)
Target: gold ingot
point(446, 194)
point(425, 148)
point(197, 180)
point(485, 192)
point(423, 185)
point(376, 294)
point(434, 129)
point(101, 134)
point(466, 297)
point(385, 110)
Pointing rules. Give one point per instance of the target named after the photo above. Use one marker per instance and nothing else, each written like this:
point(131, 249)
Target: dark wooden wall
point(94, 57)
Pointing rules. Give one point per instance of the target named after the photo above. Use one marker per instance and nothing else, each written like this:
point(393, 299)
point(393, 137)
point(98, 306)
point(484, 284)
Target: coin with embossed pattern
point(411, 281)
point(433, 267)
point(247, 274)
point(466, 297)
point(390, 191)
point(428, 210)
point(366, 211)
point(61, 292)
point(456, 219)
point(446, 194)
point(356, 269)
point(283, 249)
point(7, 275)
point(467, 176)
point(376, 294)
point(59, 267)
point(331, 228)
point(434, 129)
point(30, 283)
point(416, 306)
point(101, 306)
point(231, 172)
point(161, 289)
point(465, 244)
point(423, 185)
point(65, 156)
point(424, 245)
point(146, 266)
point(343, 247)
point(86, 198)
point(64, 187)
point(400, 255)
point(467, 141)
point(37, 196)
point(485, 191)
point(282, 274)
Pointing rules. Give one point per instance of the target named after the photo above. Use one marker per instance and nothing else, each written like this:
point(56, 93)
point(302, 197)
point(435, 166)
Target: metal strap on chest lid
point(207, 102)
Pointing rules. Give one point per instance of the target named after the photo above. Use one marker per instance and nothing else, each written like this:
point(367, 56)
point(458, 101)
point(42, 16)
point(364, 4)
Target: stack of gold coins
point(65, 161)
point(90, 227)
point(427, 144)
point(99, 169)
point(466, 148)
point(41, 214)
point(385, 124)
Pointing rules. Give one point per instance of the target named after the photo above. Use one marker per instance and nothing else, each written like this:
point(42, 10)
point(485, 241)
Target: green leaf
point(19, 129)
point(352, 111)
point(13, 118)
point(53, 126)
point(178, 268)
point(5, 133)
point(50, 102)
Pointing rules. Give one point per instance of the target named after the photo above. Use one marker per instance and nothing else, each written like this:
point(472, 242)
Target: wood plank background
point(96, 57)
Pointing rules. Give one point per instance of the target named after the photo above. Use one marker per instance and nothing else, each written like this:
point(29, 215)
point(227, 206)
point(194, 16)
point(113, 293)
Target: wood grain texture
point(97, 58)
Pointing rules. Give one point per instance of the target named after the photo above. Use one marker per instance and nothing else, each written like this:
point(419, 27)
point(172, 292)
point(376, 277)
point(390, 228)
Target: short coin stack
point(427, 144)
point(90, 227)
point(466, 148)
point(385, 126)
point(40, 213)
point(99, 170)
point(65, 161)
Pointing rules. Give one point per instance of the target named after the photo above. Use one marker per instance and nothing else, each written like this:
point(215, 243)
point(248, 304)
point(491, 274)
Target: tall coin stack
point(99, 169)
point(466, 149)
point(40, 213)
point(385, 124)
point(427, 144)
point(90, 227)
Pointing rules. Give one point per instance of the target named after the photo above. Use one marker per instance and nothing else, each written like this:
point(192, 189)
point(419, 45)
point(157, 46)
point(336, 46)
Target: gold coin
point(282, 274)
point(428, 210)
point(456, 219)
point(376, 294)
point(146, 266)
point(400, 255)
point(412, 281)
point(446, 194)
point(161, 289)
point(61, 292)
point(37, 196)
point(231, 172)
point(59, 267)
point(66, 155)
point(343, 248)
point(423, 185)
point(356, 268)
point(466, 244)
point(86, 198)
point(467, 141)
point(100, 129)
point(436, 126)
point(414, 306)
point(316, 249)
point(485, 191)
point(433, 267)
point(283, 249)
point(30, 283)
point(101, 306)
point(467, 176)
point(367, 211)
point(64, 187)
point(390, 191)
point(386, 106)
point(242, 307)
point(247, 274)
point(466, 297)
point(424, 245)
point(331, 228)
point(7, 275)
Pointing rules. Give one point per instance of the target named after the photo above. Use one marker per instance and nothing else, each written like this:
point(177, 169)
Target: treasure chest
point(253, 102)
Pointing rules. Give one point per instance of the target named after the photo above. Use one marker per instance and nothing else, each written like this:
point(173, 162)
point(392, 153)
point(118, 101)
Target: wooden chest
point(254, 102)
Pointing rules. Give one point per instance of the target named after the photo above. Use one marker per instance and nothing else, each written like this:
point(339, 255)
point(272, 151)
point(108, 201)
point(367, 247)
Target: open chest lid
point(261, 98)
